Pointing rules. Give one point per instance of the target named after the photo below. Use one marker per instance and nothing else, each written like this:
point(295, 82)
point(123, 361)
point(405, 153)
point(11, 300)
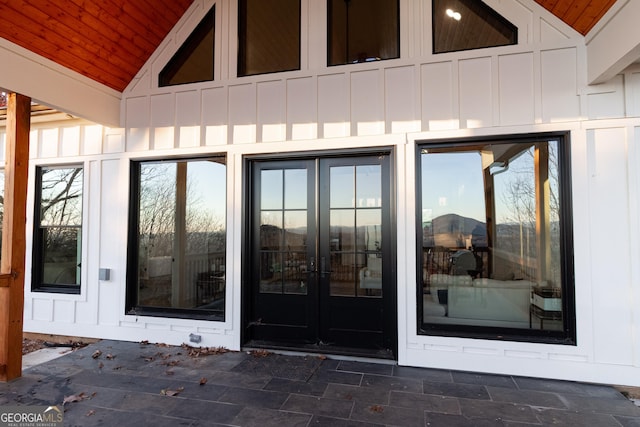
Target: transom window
point(177, 256)
point(268, 36)
point(57, 243)
point(194, 60)
point(362, 31)
point(469, 24)
point(495, 239)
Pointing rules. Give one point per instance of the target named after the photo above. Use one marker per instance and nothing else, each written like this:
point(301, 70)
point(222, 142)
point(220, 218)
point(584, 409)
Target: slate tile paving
point(147, 384)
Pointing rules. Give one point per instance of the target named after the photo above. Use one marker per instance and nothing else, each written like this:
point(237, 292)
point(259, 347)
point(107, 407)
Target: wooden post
point(13, 235)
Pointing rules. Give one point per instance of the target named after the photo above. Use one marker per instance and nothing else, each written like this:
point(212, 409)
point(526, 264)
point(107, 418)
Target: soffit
point(581, 15)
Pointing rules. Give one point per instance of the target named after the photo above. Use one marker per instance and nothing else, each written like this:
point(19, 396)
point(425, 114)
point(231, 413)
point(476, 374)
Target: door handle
point(312, 265)
point(323, 266)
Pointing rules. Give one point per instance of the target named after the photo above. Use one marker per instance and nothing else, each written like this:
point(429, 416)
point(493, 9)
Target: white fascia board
point(53, 85)
point(614, 43)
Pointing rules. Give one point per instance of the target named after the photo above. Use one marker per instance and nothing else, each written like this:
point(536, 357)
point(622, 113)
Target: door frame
point(390, 300)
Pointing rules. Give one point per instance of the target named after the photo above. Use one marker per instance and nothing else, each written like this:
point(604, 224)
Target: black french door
point(322, 253)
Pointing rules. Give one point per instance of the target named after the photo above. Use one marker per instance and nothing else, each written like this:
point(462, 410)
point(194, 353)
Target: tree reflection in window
point(58, 234)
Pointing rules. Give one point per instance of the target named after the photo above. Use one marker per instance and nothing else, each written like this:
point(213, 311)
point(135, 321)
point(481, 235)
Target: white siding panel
point(70, 141)
point(114, 141)
point(242, 113)
point(137, 123)
point(367, 104)
point(608, 197)
point(550, 33)
point(607, 100)
point(188, 118)
point(214, 115)
point(333, 105)
point(42, 309)
point(49, 139)
point(559, 85)
point(633, 83)
point(64, 311)
point(516, 89)
point(438, 97)
point(113, 237)
point(92, 139)
point(476, 106)
point(401, 100)
point(163, 121)
point(302, 108)
point(271, 111)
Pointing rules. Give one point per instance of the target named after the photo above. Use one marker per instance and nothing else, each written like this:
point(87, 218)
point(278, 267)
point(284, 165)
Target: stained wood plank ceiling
point(110, 40)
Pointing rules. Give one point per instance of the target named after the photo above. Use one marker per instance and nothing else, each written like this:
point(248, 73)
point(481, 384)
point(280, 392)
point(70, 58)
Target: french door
point(321, 269)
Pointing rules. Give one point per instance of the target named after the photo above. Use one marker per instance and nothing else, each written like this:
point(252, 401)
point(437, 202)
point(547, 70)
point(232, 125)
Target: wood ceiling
point(110, 40)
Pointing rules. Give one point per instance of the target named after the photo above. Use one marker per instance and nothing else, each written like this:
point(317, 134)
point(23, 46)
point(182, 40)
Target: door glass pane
point(271, 189)
point(295, 189)
point(369, 232)
point(342, 187)
point(342, 230)
point(369, 186)
point(271, 230)
point(271, 272)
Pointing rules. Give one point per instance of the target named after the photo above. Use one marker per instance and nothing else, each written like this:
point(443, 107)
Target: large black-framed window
point(495, 245)
point(193, 62)
point(177, 238)
point(57, 235)
point(362, 31)
point(469, 24)
point(268, 36)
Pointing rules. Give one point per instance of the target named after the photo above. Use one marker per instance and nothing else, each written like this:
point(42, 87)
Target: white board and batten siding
point(537, 86)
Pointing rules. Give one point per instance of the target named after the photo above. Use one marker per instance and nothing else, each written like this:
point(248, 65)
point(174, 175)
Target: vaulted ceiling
point(110, 40)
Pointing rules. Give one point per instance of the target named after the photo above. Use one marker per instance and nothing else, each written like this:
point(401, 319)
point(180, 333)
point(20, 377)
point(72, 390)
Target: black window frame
point(330, 38)
point(492, 14)
point(131, 288)
point(568, 335)
point(208, 23)
point(37, 267)
point(242, 45)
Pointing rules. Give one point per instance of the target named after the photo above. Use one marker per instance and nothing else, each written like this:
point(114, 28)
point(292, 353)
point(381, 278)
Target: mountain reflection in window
point(491, 236)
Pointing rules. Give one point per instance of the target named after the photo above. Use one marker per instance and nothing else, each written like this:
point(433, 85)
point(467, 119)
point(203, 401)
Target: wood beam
point(13, 235)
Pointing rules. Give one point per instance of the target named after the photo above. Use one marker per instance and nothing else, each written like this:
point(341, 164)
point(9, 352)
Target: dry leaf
point(169, 373)
point(144, 342)
point(376, 408)
point(322, 357)
point(100, 365)
point(90, 413)
point(260, 353)
point(75, 398)
point(168, 392)
point(110, 356)
point(203, 381)
point(96, 354)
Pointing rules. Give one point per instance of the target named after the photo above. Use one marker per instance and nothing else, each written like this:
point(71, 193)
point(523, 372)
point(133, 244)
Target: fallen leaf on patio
point(91, 412)
point(169, 372)
point(322, 357)
point(100, 365)
point(376, 408)
point(144, 342)
point(260, 353)
point(96, 354)
point(75, 398)
point(110, 356)
point(167, 392)
point(203, 381)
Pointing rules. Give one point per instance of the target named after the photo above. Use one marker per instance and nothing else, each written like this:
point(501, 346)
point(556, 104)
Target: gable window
point(362, 31)
point(268, 36)
point(177, 239)
point(495, 256)
point(469, 24)
point(194, 60)
point(57, 242)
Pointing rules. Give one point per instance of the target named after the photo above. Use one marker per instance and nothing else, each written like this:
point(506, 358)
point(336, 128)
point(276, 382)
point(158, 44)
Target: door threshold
point(335, 352)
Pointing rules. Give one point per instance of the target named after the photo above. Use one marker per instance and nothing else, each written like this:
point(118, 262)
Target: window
point(194, 60)
point(268, 36)
point(177, 246)
point(362, 31)
point(57, 242)
point(469, 24)
point(495, 246)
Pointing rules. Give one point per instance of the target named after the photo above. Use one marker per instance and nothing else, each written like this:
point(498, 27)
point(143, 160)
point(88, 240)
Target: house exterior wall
point(538, 85)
